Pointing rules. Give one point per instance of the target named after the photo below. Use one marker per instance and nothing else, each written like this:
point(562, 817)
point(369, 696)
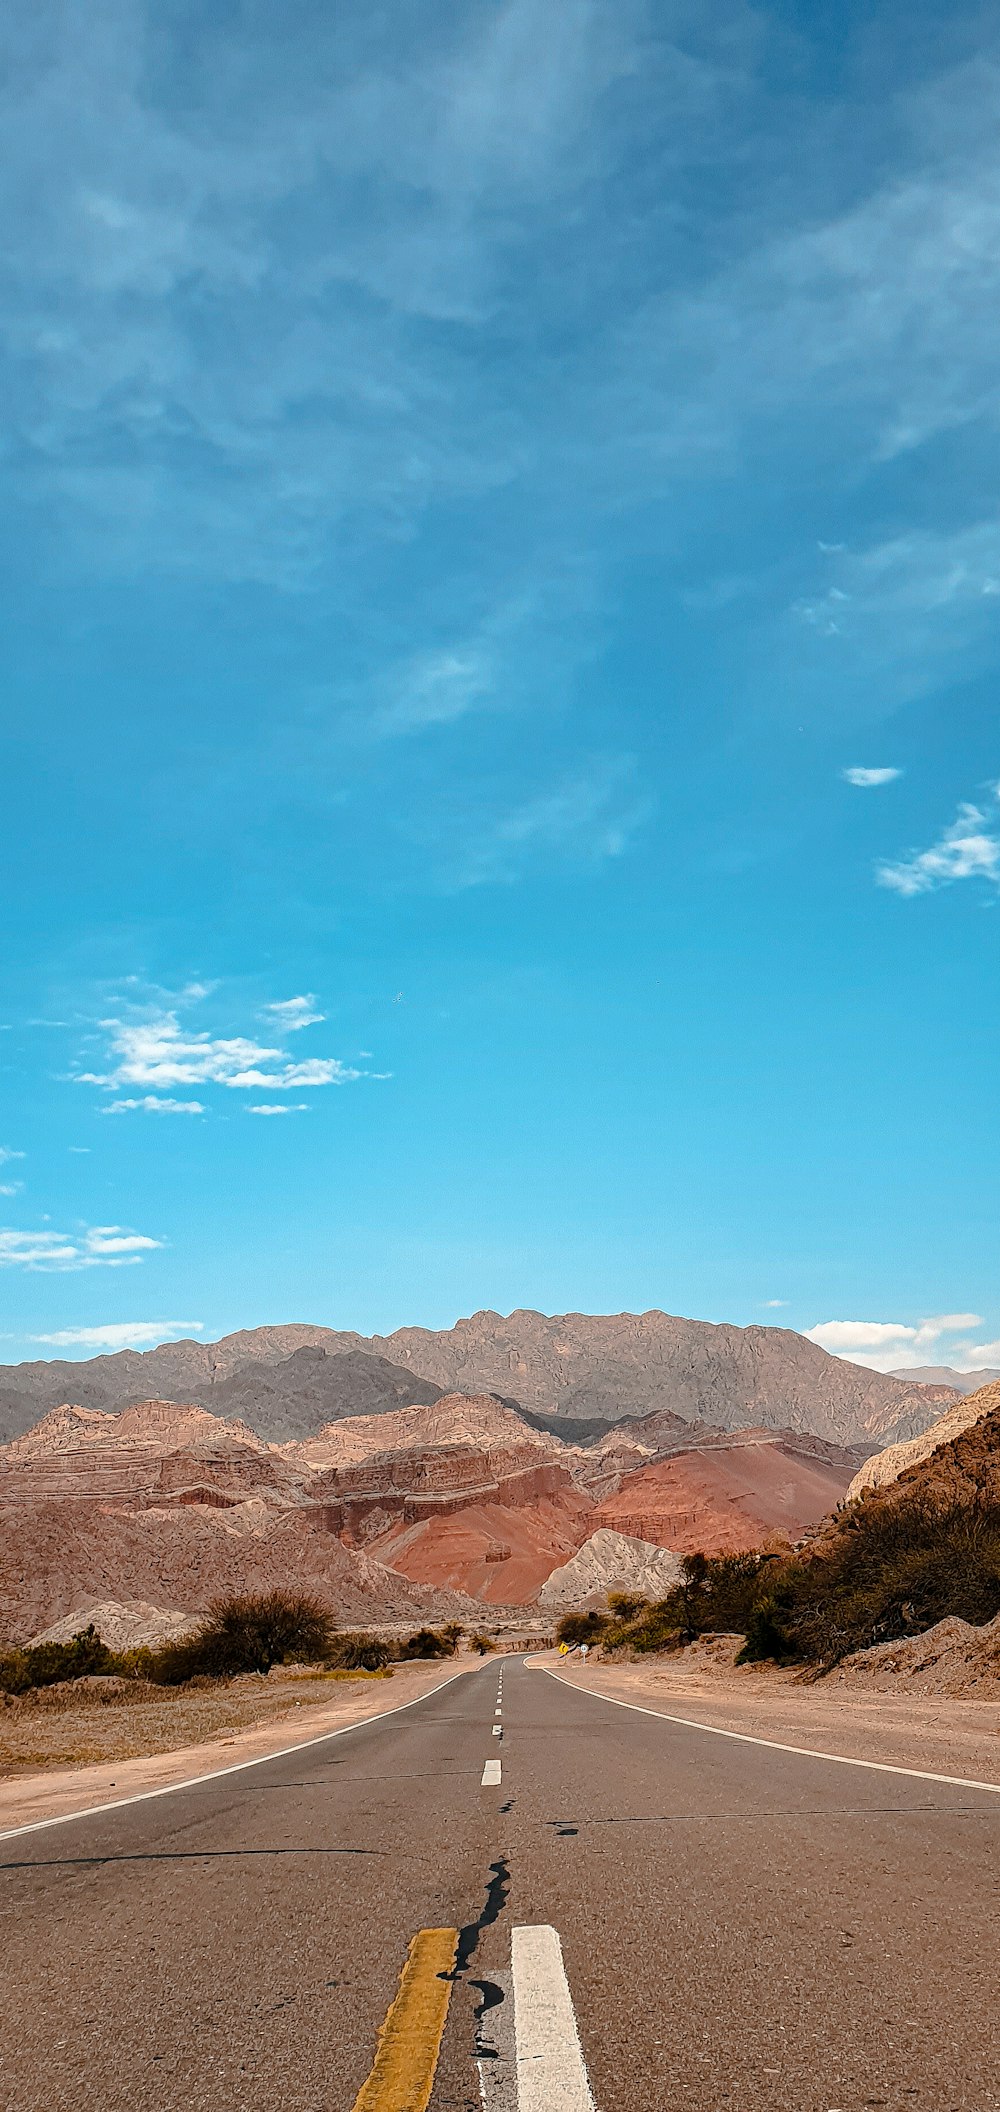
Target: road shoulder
point(960, 1738)
point(28, 1801)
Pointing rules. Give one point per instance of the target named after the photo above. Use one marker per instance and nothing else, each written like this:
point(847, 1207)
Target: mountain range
point(574, 1370)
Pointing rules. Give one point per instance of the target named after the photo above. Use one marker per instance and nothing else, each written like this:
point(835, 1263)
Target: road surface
point(620, 1911)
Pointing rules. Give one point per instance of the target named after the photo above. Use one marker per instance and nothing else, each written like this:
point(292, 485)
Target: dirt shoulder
point(942, 1736)
point(47, 1763)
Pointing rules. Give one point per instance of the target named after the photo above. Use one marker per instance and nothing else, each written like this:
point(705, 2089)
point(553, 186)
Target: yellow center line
point(409, 2042)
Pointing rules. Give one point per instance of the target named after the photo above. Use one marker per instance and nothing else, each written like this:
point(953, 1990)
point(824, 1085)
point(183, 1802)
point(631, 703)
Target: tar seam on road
point(237, 1767)
point(802, 1752)
point(402, 2075)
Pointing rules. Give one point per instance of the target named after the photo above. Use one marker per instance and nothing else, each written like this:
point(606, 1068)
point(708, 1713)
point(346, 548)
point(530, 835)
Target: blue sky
point(500, 667)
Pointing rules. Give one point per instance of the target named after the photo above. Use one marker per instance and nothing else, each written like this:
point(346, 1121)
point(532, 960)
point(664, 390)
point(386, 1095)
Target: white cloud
point(6, 1154)
point(151, 1104)
point(886, 1345)
point(867, 779)
point(295, 1107)
point(155, 1050)
point(774, 1305)
point(589, 817)
point(11, 1187)
point(434, 689)
point(977, 1356)
point(968, 850)
point(98, 1246)
point(121, 1334)
point(291, 1013)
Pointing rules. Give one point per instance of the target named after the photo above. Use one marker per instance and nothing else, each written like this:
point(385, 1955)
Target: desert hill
point(758, 1486)
point(58, 1557)
point(944, 1375)
point(887, 1467)
point(169, 1503)
point(578, 1369)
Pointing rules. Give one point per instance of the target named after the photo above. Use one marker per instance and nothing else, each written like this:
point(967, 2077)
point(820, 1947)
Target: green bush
point(626, 1606)
point(45, 1664)
point(357, 1652)
point(248, 1634)
point(576, 1628)
point(429, 1642)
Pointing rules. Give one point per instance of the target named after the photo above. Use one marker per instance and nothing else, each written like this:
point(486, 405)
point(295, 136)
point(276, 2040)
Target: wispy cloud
point(434, 689)
point(152, 1104)
point(978, 1356)
point(121, 1334)
point(867, 779)
point(6, 1154)
point(297, 1107)
point(11, 1187)
point(98, 1246)
point(969, 849)
point(292, 1013)
point(885, 1345)
point(585, 818)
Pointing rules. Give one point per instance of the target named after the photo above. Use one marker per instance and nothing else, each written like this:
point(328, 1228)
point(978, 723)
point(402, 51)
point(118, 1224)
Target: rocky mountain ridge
point(887, 1466)
point(288, 1382)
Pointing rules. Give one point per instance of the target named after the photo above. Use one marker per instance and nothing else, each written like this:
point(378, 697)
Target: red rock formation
point(728, 1496)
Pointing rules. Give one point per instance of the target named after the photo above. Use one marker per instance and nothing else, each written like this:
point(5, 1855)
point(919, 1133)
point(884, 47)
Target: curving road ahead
point(634, 1915)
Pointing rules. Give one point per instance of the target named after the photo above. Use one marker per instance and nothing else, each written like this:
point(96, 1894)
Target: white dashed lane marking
point(551, 2071)
point(491, 1775)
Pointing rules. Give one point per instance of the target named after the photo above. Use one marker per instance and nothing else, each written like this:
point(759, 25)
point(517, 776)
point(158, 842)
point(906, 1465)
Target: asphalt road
point(740, 1927)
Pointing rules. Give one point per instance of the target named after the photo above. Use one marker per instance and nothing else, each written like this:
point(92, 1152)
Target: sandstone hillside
point(743, 1494)
point(885, 1467)
point(457, 1495)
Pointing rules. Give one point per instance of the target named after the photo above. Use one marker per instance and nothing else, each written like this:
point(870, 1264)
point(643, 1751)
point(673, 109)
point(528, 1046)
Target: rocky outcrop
point(885, 1467)
point(610, 1561)
point(122, 1626)
point(155, 1452)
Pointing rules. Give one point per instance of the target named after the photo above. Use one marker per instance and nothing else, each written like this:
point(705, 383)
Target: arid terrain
point(419, 1511)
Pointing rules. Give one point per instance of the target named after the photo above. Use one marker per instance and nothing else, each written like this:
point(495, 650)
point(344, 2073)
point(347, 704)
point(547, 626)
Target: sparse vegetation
point(481, 1643)
point(888, 1566)
point(357, 1652)
point(248, 1634)
point(430, 1642)
point(45, 1664)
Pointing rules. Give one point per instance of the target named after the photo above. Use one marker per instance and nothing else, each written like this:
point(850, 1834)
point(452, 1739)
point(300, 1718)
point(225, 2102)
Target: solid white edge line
point(804, 1752)
point(551, 2070)
point(236, 1767)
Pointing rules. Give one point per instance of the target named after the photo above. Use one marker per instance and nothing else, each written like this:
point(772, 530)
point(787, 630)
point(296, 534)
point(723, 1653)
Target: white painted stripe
point(803, 1752)
point(498, 1711)
point(236, 1767)
point(491, 1775)
point(497, 1731)
point(551, 2071)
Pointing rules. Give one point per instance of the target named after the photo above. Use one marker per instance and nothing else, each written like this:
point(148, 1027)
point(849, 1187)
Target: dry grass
point(104, 1720)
